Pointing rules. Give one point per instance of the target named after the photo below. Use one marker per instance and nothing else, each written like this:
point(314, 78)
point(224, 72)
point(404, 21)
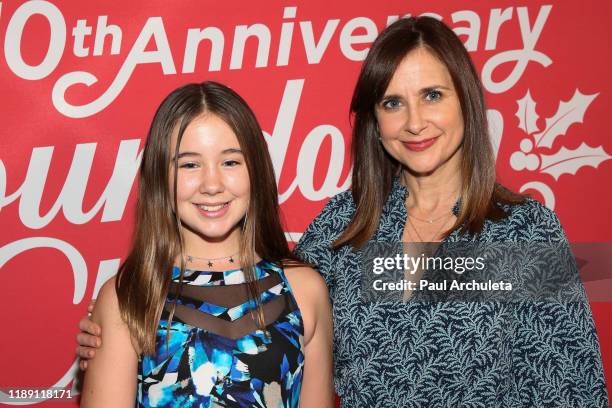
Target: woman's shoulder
point(341, 203)
point(530, 211)
point(530, 220)
point(331, 221)
point(339, 207)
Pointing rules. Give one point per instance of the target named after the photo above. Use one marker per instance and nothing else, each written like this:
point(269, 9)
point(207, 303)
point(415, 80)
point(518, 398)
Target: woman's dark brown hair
point(144, 278)
point(374, 169)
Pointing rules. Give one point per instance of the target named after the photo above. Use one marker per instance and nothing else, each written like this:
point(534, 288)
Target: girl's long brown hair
point(374, 169)
point(144, 278)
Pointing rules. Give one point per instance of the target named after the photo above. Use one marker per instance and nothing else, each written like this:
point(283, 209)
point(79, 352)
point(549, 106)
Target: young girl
point(210, 307)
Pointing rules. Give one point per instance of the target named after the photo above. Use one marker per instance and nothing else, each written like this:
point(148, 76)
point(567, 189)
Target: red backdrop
point(80, 82)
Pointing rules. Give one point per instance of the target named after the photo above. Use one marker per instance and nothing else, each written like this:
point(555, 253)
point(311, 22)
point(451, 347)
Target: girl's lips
point(215, 213)
point(420, 146)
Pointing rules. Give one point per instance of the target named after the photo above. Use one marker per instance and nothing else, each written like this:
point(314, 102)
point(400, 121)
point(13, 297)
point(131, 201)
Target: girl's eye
point(433, 96)
point(231, 163)
point(188, 165)
point(391, 103)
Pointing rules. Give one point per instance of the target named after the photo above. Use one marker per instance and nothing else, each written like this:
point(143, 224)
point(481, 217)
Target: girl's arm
point(312, 297)
point(110, 380)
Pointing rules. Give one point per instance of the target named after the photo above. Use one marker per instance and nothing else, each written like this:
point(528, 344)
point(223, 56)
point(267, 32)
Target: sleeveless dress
point(215, 355)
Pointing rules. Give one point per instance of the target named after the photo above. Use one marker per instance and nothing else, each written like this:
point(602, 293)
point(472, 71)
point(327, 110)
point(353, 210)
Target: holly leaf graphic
point(567, 161)
point(527, 114)
point(567, 114)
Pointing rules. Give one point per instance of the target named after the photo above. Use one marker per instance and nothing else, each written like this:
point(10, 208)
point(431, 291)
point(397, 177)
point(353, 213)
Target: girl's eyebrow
point(232, 150)
point(196, 154)
point(185, 154)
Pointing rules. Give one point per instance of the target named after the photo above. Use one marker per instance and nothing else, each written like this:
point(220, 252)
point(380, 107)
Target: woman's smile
point(419, 146)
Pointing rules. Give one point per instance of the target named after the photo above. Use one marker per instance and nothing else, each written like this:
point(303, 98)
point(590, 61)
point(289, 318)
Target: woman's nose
point(415, 122)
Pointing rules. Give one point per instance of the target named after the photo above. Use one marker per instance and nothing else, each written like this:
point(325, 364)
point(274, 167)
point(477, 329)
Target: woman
point(423, 172)
point(210, 307)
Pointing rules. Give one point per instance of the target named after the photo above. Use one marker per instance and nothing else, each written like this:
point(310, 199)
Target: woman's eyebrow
point(391, 95)
point(434, 87)
point(427, 88)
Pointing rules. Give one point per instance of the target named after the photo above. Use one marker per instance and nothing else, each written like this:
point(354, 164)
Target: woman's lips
point(421, 145)
point(213, 211)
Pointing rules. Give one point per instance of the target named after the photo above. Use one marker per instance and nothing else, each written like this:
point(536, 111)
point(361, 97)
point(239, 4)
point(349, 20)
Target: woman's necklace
point(430, 221)
point(447, 216)
point(209, 261)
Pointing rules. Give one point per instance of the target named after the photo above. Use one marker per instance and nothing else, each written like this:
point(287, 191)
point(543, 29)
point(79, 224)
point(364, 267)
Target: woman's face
point(213, 186)
point(419, 117)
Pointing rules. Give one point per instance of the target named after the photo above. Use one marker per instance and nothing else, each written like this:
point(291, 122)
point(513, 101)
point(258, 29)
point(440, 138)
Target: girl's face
point(419, 117)
point(213, 186)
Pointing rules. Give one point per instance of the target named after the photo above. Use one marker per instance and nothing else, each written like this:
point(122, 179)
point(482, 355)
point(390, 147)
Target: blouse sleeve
point(314, 246)
point(556, 355)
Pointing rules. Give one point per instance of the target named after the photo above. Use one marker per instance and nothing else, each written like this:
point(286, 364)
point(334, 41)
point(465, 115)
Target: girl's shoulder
point(311, 294)
point(107, 303)
point(107, 314)
point(305, 281)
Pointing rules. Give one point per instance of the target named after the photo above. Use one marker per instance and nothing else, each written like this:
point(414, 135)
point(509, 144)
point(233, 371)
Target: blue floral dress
point(215, 356)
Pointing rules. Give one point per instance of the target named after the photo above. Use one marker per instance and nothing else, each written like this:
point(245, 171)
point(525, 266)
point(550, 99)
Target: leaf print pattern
point(455, 354)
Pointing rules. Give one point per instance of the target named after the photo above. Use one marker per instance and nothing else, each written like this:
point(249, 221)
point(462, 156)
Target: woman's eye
point(392, 103)
point(188, 165)
point(433, 96)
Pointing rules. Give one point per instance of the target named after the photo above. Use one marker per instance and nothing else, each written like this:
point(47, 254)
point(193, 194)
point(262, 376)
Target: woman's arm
point(88, 339)
point(312, 297)
point(556, 349)
point(110, 380)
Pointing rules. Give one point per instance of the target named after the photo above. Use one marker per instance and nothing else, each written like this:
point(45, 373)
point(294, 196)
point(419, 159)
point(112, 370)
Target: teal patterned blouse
point(454, 354)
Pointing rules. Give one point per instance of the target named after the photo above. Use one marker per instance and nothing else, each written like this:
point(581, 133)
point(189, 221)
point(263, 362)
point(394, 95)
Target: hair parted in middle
point(143, 280)
point(374, 169)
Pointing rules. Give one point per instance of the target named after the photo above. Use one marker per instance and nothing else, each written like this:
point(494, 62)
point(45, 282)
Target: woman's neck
point(431, 194)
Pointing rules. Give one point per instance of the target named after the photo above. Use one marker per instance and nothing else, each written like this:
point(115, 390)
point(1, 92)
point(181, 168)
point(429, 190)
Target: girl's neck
point(196, 245)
